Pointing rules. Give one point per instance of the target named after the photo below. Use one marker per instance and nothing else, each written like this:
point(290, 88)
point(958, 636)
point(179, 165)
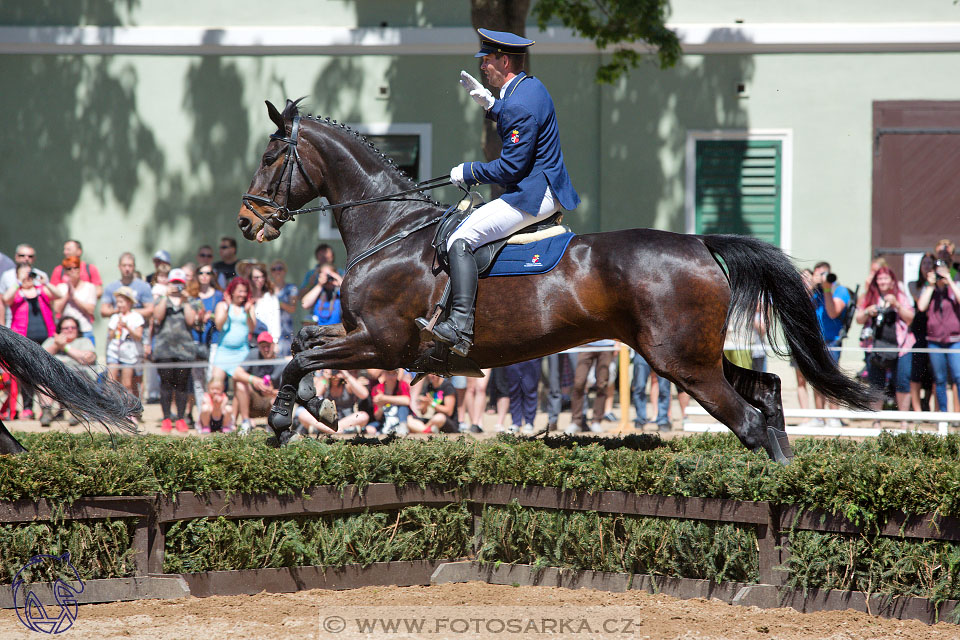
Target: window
point(737, 183)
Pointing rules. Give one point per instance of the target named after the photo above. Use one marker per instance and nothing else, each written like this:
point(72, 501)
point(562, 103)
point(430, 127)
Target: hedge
point(916, 474)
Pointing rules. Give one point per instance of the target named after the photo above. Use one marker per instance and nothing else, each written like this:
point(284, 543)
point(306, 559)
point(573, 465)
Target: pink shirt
point(20, 313)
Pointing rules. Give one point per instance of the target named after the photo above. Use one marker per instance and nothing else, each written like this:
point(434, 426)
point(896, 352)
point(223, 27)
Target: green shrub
point(413, 533)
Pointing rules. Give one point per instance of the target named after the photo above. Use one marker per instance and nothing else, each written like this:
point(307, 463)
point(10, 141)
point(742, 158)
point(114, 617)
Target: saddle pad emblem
point(534, 261)
point(514, 136)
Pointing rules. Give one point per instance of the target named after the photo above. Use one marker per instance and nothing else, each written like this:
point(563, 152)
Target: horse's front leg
point(352, 351)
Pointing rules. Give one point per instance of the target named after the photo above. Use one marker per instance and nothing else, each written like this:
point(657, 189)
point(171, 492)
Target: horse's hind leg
point(762, 390)
point(707, 384)
point(9, 444)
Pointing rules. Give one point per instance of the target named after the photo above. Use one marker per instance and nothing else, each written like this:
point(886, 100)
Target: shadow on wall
point(206, 192)
point(646, 122)
point(71, 126)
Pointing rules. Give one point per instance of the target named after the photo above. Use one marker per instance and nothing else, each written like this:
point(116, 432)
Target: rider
point(530, 167)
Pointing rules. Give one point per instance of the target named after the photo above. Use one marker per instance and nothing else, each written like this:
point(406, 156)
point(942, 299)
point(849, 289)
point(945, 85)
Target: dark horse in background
point(664, 294)
point(106, 402)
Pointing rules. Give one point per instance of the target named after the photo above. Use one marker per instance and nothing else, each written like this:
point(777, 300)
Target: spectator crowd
point(218, 333)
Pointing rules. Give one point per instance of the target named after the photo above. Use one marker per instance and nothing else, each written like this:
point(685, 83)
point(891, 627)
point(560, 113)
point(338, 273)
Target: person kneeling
point(436, 407)
point(256, 385)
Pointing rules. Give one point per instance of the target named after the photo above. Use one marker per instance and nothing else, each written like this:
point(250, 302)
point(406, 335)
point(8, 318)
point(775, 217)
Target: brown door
point(916, 177)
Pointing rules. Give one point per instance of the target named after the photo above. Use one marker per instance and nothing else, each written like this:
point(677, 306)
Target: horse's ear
point(274, 115)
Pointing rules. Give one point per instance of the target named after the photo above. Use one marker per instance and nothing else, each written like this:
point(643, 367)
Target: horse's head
point(282, 182)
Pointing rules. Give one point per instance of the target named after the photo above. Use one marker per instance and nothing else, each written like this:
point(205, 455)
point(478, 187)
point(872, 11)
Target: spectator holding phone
point(125, 338)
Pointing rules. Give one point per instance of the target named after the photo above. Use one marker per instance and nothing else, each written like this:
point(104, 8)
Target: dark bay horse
point(106, 402)
point(664, 294)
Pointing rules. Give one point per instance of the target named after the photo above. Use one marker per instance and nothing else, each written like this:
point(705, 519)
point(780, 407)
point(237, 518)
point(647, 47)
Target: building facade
point(829, 129)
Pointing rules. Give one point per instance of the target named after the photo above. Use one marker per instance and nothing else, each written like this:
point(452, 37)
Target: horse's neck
point(356, 173)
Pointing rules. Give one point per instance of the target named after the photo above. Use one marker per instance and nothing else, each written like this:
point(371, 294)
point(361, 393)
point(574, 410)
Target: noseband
point(281, 212)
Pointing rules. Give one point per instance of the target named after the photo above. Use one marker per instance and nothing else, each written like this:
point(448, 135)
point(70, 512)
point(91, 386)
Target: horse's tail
point(106, 402)
point(760, 272)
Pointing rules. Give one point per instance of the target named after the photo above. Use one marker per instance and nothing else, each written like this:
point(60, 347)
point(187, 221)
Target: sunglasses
point(205, 273)
point(224, 246)
point(277, 269)
point(26, 255)
point(69, 328)
point(204, 255)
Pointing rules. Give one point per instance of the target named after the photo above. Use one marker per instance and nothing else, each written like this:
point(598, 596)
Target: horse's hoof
point(780, 449)
point(328, 414)
point(307, 389)
point(286, 437)
point(281, 413)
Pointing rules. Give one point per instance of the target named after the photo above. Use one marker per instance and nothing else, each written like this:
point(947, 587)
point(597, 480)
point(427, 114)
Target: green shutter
point(738, 188)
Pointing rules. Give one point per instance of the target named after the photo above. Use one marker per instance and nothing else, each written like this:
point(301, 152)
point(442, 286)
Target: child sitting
point(216, 414)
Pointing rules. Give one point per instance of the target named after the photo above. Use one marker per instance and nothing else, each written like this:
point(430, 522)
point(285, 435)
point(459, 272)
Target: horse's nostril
point(243, 223)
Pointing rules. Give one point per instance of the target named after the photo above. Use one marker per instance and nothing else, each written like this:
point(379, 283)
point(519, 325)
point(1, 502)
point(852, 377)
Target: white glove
point(478, 92)
point(456, 176)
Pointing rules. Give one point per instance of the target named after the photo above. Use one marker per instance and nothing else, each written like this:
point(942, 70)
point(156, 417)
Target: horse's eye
point(269, 159)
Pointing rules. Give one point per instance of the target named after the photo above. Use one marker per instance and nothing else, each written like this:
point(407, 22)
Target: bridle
point(282, 214)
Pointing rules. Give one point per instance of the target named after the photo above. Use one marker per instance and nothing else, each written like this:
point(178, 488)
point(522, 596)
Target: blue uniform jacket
point(531, 157)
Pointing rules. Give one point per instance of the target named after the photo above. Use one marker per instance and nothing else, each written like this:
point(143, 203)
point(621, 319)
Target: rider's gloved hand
point(478, 92)
point(456, 176)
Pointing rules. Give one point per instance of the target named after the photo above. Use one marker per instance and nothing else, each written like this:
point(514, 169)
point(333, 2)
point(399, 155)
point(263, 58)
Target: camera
point(831, 278)
point(34, 274)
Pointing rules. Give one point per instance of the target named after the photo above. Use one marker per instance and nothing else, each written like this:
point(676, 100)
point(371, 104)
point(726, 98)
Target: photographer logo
point(31, 611)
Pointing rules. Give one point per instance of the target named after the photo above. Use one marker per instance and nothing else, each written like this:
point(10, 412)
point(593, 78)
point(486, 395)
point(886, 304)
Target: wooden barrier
point(771, 522)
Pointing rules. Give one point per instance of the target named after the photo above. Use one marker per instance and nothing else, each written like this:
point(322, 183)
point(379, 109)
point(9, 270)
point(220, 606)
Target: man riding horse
point(530, 167)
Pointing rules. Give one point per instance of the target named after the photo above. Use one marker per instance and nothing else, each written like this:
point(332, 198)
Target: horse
point(667, 295)
point(106, 402)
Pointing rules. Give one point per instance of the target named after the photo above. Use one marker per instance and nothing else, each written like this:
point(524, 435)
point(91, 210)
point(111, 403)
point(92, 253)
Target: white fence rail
point(943, 420)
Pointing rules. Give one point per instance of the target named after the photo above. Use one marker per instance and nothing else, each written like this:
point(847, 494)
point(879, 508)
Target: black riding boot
point(457, 330)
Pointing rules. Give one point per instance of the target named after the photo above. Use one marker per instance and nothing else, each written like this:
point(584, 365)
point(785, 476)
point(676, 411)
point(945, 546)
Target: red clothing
point(402, 389)
point(943, 316)
point(20, 313)
point(88, 273)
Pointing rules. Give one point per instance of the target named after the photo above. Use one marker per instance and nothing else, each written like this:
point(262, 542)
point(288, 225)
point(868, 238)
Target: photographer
point(887, 314)
point(940, 299)
point(830, 301)
point(173, 342)
point(324, 298)
point(31, 313)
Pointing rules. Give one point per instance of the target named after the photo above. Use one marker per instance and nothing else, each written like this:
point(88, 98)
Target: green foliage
point(413, 533)
point(917, 474)
point(588, 540)
point(98, 548)
point(615, 22)
point(929, 569)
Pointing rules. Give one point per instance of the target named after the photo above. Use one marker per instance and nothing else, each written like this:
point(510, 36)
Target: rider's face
point(496, 68)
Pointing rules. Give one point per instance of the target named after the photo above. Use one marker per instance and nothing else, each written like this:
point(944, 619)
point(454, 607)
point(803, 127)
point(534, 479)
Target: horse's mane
point(291, 110)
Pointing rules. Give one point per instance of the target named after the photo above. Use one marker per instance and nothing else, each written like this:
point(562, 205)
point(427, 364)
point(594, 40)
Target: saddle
point(440, 359)
point(485, 255)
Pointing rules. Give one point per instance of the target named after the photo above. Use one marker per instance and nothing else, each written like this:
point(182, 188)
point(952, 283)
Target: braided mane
point(292, 110)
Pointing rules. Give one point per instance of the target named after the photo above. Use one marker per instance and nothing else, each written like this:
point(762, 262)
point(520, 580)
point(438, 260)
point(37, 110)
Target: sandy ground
point(471, 610)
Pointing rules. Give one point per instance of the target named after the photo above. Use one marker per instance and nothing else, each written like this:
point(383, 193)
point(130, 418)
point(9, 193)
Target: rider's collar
point(505, 89)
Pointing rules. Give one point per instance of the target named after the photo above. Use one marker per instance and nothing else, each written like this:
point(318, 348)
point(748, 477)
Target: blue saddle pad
point(526, 259)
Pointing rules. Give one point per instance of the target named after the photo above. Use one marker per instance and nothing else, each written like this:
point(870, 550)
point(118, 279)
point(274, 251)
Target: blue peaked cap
point(501, 42)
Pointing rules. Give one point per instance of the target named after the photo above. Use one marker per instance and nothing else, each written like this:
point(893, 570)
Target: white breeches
point(497, 219)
